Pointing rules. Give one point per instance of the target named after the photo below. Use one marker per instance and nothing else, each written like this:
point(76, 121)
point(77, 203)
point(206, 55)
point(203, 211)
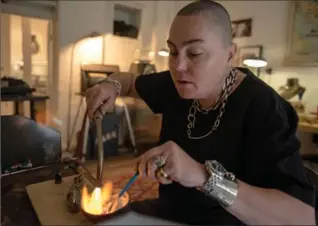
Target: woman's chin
point(186, 94)
point(186, 91)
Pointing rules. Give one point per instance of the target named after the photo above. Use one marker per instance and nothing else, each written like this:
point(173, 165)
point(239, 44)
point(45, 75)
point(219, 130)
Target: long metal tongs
point(100, 150)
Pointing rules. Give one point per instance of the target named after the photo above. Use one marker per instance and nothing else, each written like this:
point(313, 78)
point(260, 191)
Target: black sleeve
point(155, 89)
point(271, 149)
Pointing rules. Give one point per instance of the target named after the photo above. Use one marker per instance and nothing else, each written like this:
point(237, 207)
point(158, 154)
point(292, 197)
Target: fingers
point(153, 165)
point(107, 104)
point(162, 177)
point(89, 95)
point(156, 164)
point(146, 164)
point(168, 169)
point(151, 169)
point(95, 105)
point(165, 175)
point(156, 151)
point(92, 100)
point(142, 168)
point(99, 99)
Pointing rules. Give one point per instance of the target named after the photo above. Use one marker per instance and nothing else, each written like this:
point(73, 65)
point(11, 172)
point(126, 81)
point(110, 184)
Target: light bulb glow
point(255, 63)
point(90, 50)
point(163, 53)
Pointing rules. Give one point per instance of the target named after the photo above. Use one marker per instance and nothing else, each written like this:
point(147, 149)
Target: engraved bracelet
point(221, 185)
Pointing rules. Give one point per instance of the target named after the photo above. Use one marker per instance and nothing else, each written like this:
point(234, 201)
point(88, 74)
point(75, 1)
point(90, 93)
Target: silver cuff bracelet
point(221, 185)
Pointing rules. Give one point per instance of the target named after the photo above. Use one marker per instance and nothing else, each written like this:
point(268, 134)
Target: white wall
point(270, 20)
point(78, 18)
point(75, 19)
point(270, 29)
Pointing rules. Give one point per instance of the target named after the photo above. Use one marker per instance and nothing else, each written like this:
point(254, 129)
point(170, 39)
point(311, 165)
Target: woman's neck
point(210, 100)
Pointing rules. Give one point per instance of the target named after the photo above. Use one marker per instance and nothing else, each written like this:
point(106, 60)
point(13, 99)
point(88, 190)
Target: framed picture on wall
point(302, 36)
point(127, 21)
point(242, 28)
point(244, 52)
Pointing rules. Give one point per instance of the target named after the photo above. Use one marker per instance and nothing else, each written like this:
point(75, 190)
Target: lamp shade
point(163, 52)
point(255, 62)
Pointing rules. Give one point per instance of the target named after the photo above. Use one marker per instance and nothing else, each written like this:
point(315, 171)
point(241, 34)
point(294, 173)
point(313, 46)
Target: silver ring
point(159, 161)
point(163, 173)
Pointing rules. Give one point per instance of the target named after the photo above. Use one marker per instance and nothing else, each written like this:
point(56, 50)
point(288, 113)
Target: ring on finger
point(163, 173)
point(163, 177)
point(159, 161)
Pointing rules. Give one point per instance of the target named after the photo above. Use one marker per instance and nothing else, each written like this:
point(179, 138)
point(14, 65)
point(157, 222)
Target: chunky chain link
point(214, 106)
point(220, 101)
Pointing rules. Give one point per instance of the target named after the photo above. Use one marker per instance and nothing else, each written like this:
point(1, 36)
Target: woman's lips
point(184, 84)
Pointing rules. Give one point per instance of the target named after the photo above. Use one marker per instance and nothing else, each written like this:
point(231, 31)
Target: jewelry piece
point(221, 185)
point(159, 161)
point(162, 173)
point(221, 100)
point(216, 103)
point(115, 82)
point(163, 176)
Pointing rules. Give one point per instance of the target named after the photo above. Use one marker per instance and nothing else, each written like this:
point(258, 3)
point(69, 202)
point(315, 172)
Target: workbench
point(18, 99)
point(16, 206)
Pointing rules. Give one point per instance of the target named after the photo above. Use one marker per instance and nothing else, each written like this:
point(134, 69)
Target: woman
point(227, 143)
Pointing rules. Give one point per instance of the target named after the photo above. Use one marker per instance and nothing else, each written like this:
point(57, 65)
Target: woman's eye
point(194, 54)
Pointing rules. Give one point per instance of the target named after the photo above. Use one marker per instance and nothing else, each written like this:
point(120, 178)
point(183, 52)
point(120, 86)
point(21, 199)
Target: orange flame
point(94, 203)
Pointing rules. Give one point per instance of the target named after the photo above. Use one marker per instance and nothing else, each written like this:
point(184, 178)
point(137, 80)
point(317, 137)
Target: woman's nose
point(180, 64)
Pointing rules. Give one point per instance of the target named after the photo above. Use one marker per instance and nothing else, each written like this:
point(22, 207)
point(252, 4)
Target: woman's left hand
point(178, 165)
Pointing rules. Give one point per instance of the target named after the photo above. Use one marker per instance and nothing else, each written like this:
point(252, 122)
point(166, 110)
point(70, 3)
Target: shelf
point(307, 127)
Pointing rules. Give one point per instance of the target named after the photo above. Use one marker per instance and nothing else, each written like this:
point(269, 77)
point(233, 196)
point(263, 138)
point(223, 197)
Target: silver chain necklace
point(221, 100)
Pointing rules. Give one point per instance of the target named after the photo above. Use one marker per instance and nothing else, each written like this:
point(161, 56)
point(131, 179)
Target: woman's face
point(198, 58)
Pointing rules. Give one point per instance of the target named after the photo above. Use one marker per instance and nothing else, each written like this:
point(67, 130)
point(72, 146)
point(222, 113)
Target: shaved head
point(201, 50)
point(214, 13)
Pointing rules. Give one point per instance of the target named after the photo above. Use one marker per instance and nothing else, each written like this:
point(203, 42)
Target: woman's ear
point(232, 52)
point(230, 57)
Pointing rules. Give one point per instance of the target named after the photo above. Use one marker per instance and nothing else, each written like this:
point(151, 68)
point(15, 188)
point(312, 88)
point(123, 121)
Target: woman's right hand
point(100, 98)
